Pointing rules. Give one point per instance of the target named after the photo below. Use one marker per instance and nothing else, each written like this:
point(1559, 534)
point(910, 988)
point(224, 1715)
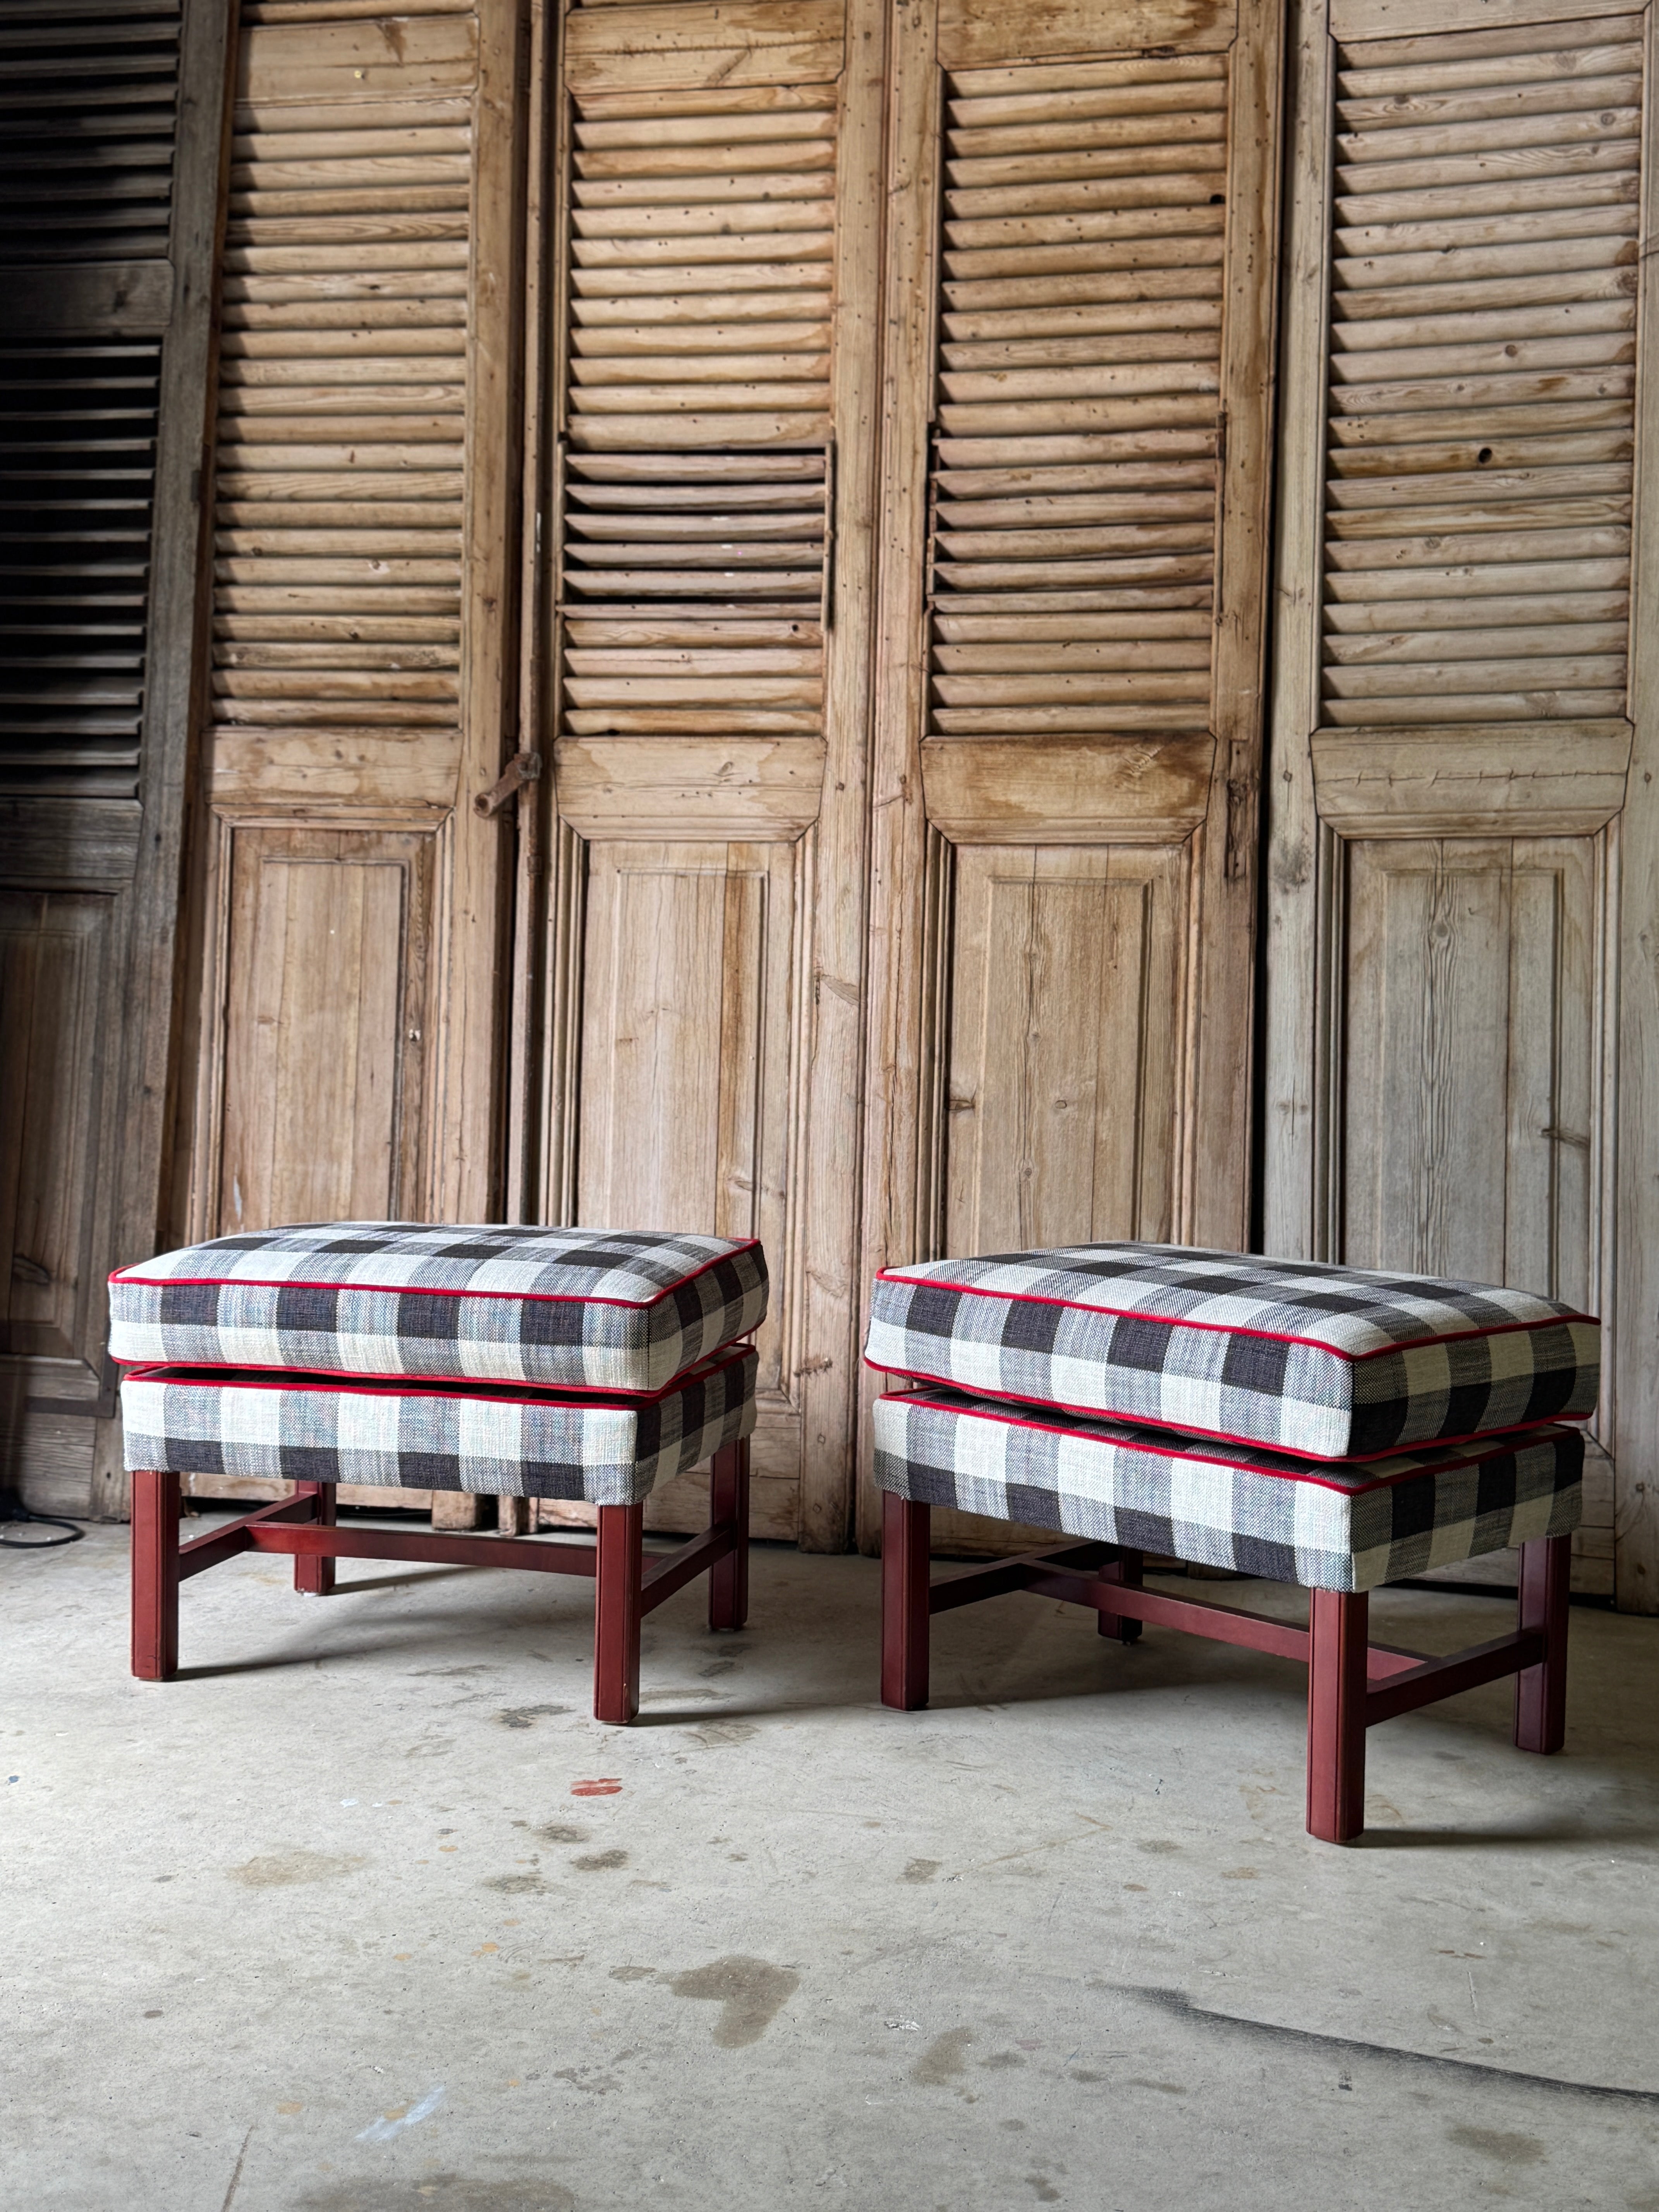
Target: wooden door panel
point(54, 1013)
point(1463, 774)
point(710, 335)
point(361, 613)
point(1471, 1080)
point(323, 1107)
point(1066, 1046)
point(1081, 258)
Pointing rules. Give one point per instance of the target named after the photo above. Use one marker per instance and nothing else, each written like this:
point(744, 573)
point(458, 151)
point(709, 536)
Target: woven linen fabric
point(1321, 1362)
point(321, 1428)
point(1336, 1527)
point(574, 1309)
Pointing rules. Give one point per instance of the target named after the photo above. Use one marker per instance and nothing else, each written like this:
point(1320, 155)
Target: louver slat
point(1073, 486)
point(77, 442)
point(1477, 525)
point(342, 386)
point(89, 94)
point(697, 485)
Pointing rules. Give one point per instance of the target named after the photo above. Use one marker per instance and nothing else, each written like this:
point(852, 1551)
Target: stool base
point(1353, 1684)
point(304, 1525)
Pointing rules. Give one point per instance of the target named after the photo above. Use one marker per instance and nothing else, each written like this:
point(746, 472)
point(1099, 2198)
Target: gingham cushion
point(576, 1309)
point(499, 1443)
point(1332, 1527)
point(1326, 1363)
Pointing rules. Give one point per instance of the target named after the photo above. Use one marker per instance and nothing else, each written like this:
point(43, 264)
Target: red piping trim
point(1239, 1467)
point(424, 1290)
point(1227, 1327)
point(1219, 1436)
point(394, 1386)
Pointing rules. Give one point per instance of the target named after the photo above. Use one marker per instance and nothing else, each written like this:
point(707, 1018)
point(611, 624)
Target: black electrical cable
point(12, 1510)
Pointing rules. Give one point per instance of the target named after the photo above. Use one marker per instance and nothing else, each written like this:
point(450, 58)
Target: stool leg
point(904, 1611)
point(1337, 1641)
point(154, 1576)
point(1541, 1692)
point(728, 1508)
point(313, 1576)
point(1124, 1568)
point(617, 1614)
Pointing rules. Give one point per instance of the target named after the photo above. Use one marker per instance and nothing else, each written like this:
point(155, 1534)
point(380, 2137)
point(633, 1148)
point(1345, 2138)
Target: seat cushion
point(1328, 1362)
point(1342, 1526)
point(507, 1442)
point(573, 1309)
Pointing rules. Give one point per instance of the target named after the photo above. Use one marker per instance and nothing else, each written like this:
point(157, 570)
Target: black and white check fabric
point(1332, 1527)
point(498, 1441)
point(573, 1309)
point(1323, 1362)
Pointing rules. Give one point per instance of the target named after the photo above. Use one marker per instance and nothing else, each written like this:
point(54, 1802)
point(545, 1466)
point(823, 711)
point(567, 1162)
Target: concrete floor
point(337, 1924)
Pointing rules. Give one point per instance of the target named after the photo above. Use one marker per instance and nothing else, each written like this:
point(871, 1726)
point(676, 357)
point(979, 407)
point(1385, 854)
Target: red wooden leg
point(728, 1508)
point(313, 1576)
point(904, 1614)
point(1337, 1642)
point(1541, 1692)
point(154, 1576)
point(617, 1614)
point(1124, 1568)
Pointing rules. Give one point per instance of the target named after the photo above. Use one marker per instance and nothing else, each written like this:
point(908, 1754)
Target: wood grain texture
point(708, 787)
point(1632, 1201)
point(1066, 1045)
point(306, 906)
point(1294, 1120)
point(1090, 336)
point(1422, 129)
point(1472, 1117)
point(1566, 781)
point(1453, 764)
point(989, 791)
point(694, 44)
point(975, 34)
point(55, 976)
point(711, 337)
point(686, 1056)
point(364, 602)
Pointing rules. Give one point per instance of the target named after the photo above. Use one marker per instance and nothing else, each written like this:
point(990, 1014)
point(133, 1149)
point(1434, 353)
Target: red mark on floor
point(608, 1786)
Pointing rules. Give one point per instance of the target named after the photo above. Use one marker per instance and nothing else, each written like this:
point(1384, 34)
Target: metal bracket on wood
point(522, 769)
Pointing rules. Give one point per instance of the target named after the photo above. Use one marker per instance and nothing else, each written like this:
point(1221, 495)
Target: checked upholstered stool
point(1306, 1424)
point(507, 1362)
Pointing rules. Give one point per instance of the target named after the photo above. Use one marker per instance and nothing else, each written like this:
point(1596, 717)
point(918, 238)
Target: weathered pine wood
point(1451, 760)
point(710, 351)
point(1633, 1197)
point(1095, 612)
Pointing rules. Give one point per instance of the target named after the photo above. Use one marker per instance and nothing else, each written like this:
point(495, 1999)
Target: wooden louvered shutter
point(362, 594)
point(1081, 274)
point(710, 340)
point(1456, 800)
point(111, 130)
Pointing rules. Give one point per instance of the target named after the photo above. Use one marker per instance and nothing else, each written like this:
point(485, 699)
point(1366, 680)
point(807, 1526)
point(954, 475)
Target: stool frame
point(1352, 1683)
point(628, 1584)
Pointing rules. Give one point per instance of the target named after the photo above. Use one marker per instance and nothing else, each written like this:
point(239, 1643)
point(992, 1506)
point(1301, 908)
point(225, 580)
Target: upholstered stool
point(1442, 1401)
point(517, 1362)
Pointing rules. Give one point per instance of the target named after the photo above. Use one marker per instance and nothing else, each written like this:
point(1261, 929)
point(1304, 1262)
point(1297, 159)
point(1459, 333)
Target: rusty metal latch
point(522, 769)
